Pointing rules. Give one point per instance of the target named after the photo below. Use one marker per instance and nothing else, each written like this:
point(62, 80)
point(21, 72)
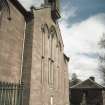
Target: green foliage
point(74, 80)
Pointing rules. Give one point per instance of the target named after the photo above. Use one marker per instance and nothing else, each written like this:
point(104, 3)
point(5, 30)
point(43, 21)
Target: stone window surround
point(44, 27)
point(52, 35)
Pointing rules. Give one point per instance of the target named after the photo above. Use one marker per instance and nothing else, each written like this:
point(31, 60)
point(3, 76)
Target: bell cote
point(55, 8)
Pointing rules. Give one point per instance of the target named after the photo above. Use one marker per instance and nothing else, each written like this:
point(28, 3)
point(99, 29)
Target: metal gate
point(11, 94)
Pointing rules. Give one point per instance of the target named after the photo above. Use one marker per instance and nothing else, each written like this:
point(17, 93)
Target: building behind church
point(32, 53)
point(87, 92)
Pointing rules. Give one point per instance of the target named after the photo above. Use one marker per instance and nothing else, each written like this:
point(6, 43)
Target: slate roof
point(74, 82)
point(17, 4)
point(21, 8)
point(88, 84)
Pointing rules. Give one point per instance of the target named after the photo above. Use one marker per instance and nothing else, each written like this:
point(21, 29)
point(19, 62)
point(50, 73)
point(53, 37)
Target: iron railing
point(11, 94)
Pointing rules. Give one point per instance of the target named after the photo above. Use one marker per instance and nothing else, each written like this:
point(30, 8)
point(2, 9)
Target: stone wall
point(49, 75)
point(33, 50)
point(11, 45)
point(66, 83)
point(27, 61)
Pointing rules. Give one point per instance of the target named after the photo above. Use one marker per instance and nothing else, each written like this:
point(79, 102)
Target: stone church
point(31, 53)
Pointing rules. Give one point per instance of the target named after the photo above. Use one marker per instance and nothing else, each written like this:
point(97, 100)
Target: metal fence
point(11, 94)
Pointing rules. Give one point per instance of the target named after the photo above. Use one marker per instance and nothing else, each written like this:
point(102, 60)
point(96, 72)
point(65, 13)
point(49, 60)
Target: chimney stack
point(92, 78)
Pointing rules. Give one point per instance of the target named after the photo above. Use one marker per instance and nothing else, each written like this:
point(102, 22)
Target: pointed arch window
point(45, 37)
point(50, 63)
point(52, 54)
point(58, 69)
point(43, 41)
point(43, 53)
point(45, 33)
point(53, 35)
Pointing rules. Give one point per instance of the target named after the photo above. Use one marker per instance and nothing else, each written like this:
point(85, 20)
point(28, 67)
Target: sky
point(82, 25)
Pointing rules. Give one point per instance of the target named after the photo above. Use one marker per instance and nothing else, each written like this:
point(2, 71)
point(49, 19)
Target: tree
point(102, 57)
point(74, 76)
point(74, 79)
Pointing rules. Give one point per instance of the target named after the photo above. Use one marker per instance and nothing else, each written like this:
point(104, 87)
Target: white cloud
point(28, 3)
point(66, 14)
point(82, 38)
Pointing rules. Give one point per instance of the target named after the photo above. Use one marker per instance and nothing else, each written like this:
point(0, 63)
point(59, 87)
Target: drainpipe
point(22, 54)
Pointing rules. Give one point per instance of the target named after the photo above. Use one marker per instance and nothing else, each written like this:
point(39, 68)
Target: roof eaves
point(97, 84)
point(76, 86)
point(19, 6)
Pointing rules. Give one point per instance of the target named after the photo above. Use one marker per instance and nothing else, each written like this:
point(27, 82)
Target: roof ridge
point(95, 84)
point(77, 84)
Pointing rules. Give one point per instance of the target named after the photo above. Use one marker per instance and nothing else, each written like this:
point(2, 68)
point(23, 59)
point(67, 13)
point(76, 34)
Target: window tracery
point(45, 33)
point(53, 42)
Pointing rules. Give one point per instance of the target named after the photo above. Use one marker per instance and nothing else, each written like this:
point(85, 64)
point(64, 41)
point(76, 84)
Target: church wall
point(66, 84)
point(47, 86)
point(11, 45)
point(43, 67)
